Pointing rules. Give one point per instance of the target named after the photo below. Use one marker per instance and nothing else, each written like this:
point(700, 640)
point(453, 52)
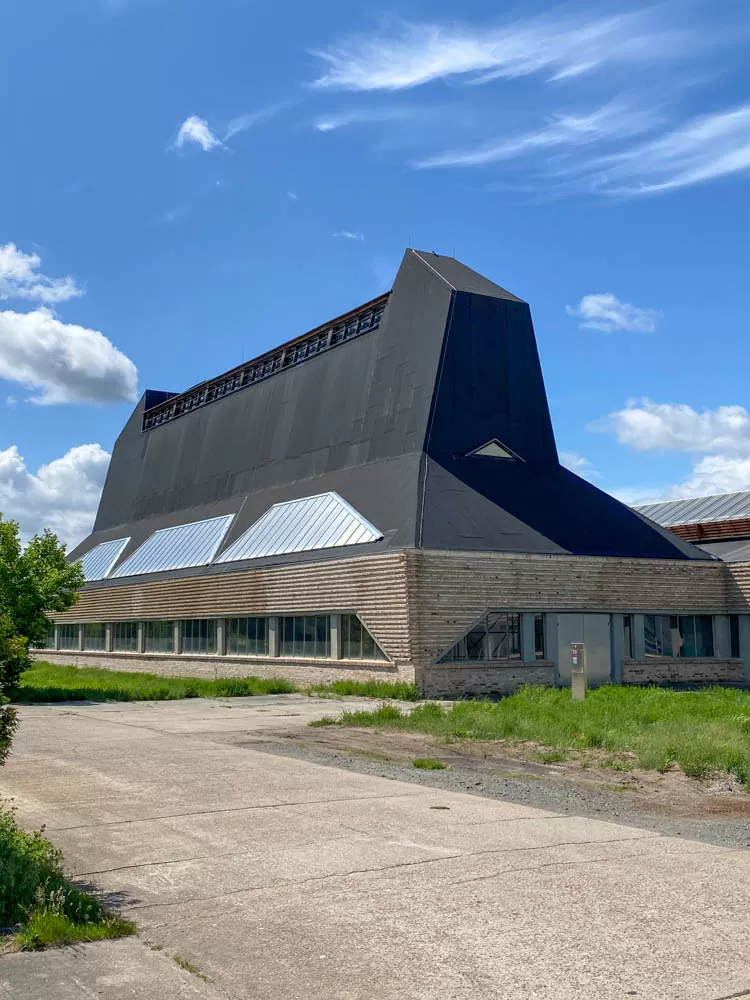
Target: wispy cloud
point(20, 278)
point(578, 464)
point(357, 116)
point(196, 130)
point(251, 118)
point(614, 120)
point(561, 47)
point(605, 312)
point(703, 149)
point(347, 234)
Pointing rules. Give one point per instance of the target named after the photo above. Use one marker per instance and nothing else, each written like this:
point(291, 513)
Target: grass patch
point(384, 690)
point(189, 967)
point(51, 682)
point(36, 899)
point(701, 731)
point(428, 764)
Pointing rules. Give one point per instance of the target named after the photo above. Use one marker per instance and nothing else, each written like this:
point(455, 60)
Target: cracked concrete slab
point(106, 970)
point(278, 877)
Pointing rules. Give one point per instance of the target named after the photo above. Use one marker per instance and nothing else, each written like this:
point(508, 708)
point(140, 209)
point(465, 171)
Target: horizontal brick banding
point(676, 670)
point(475, 679)
point(374, 587)
point(452, 590)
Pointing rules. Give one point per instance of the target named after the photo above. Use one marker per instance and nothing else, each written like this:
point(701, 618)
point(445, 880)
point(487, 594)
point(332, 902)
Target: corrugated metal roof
point(695, 510)
point(185, 545)
point(321, 522)
point(98, 561)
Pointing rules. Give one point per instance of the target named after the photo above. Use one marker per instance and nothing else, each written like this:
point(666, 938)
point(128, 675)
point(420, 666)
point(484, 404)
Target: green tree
point(33, 580)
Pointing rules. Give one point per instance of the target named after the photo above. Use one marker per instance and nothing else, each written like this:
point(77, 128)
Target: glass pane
point(504, 635)
point(704, 635)
point(159, 637)
point(539, 637)
point(125, 637)
point(627, 625)
point(69, 637)
point(475, 645)
point(94, 636)
point(734, 633)
point(687, 636)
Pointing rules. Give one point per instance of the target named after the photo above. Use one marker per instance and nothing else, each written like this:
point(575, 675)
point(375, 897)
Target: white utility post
point(578, 672)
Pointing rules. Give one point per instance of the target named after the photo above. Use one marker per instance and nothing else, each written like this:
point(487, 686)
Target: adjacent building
point(382, 496)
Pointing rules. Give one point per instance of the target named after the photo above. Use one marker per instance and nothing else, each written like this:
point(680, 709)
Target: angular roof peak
point(462, 278)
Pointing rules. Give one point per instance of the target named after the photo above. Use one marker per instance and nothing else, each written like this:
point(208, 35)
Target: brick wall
point(449, 591)
point(671, 670)
point(456, 679)
point(372, 586)
point(302, 672)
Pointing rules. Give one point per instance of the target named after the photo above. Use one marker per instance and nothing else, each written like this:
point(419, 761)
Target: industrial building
point(382, 497)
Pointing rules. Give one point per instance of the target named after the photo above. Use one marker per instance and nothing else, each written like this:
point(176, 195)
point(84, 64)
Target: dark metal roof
point(353, 324)
point(387, 421)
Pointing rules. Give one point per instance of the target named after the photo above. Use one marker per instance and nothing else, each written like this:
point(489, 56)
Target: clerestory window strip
point(338, 332)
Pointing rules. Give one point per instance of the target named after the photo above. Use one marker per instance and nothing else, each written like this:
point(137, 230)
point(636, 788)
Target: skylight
point(318, 522)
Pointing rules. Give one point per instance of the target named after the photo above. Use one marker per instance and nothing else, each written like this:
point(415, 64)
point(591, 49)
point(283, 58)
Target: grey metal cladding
point(383, 420)
point(185, 545)
point(319, 522)
point(98, 561)
point(697, 510)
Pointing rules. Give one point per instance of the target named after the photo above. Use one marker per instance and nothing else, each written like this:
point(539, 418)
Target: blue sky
point(173, 168)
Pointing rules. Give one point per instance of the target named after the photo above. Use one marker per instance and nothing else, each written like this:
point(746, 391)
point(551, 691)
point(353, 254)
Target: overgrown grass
point(36, 899)
point(395, 690)
point(428, 764)
point(51, 682)
point(46, 682)
point(702, 731)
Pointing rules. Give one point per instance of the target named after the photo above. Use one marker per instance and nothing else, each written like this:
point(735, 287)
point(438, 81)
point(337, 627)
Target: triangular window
point(493, 449)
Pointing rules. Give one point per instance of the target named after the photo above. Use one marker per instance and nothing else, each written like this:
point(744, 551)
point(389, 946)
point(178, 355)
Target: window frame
point(205, 645)
point(128, 649)
point(149, 624)
point(668, 636)
point(257, 639)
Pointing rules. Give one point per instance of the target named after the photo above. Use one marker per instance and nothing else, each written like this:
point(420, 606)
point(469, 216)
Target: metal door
point(595, 632)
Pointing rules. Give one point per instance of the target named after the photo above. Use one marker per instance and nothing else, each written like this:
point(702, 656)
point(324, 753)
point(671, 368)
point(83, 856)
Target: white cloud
point(356, 116)
point(604, 311)
point(415, 54)
point(250, 119)
point(62, 495)
point(714, 474)
point(614, 120)
point(68, 363)
point(195, 129)
point(348, 235)
point(20, 278)
point(645, 425)
point(578, 464)
point(292, 196)
point(705, 148)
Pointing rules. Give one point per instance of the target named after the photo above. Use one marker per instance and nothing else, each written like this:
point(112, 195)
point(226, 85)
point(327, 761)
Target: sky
point(171, 168)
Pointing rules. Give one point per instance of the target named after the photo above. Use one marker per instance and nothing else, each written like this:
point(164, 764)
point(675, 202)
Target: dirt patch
point(671, 794)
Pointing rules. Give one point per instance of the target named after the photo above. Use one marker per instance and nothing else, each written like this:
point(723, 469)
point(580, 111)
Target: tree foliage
point(33, 580)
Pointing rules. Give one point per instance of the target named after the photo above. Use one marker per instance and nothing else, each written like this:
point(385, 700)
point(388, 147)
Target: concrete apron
point(279, 878)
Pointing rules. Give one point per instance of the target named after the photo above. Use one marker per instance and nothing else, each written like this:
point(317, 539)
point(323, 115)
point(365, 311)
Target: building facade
point(382, 497)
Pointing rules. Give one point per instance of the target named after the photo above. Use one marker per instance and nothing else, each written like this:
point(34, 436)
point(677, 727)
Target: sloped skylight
point(319, 522)
point(185, 545)
point(98, 561)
